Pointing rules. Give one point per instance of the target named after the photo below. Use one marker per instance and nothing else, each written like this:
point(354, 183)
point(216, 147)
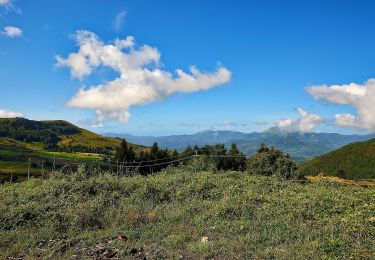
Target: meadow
point(180, 213)
point(15, 156)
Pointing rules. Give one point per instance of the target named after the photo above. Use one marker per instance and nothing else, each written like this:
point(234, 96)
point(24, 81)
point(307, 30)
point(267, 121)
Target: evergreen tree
point(272, 162)
point(125, 152)
point(238, 161)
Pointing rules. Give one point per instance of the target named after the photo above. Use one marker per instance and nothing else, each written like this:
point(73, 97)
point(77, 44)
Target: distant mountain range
point(301, 146)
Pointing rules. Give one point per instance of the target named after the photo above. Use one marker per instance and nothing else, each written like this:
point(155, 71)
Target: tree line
point(267, 161)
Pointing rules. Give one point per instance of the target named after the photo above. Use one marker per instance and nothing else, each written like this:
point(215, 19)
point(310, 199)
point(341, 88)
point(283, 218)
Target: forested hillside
point(56, 135)
point(354, 161)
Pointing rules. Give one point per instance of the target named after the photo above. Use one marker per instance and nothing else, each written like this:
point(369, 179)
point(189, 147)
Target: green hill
point(42, 141)
point(353, 161)
point(56, 136)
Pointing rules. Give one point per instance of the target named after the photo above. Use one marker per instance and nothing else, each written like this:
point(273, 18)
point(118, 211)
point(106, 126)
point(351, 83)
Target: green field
point(14, 157)
point(182, 214)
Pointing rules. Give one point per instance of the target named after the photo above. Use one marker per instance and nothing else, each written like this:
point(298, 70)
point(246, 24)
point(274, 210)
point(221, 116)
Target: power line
point(141, 164)
point(156, 160)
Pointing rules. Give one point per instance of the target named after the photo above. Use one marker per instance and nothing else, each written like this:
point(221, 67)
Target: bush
point(272, 162)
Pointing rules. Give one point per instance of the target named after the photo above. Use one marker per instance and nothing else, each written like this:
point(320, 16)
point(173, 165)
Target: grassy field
point(14, 157)
point(182, 214)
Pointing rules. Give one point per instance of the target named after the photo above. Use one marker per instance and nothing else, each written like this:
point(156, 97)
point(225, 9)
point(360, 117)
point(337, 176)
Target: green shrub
point(272, 162)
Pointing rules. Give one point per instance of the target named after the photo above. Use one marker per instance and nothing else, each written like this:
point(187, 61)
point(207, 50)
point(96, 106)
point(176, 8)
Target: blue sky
point(273, 50)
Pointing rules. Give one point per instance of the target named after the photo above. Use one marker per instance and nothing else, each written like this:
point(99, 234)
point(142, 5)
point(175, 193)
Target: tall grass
point(180, 213)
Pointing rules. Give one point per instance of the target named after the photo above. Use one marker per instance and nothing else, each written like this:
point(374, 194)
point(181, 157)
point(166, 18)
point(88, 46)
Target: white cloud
point(98, 125)
point(8, 5)
point(119, 20)
point(12, 32)
point(93, 123)
point(9, 114)
point(305, 123)
point(359, 96)
point(228, 124)
point(141, 80)
point(5, 3)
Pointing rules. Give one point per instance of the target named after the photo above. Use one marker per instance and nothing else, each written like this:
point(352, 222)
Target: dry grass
point(366, 183)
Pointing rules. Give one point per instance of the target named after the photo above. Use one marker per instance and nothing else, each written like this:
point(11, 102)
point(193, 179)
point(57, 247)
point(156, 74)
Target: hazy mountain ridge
point(300, 146)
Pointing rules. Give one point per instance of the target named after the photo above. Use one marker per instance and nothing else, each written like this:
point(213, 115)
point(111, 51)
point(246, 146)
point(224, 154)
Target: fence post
point(28, 170)
point(11, 177)
point(54, 163)
point(117, 168)
point(195, 161)
point(42, 171)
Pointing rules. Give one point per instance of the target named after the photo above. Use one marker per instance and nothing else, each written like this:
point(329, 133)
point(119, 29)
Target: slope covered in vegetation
point(183, 214)
point(57, 135)
point(353, 161)
point(15, 155)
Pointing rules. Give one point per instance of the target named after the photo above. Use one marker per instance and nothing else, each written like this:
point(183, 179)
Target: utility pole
point(42, 172)
point(195, 161)
point(117, 168)
point(28, 170)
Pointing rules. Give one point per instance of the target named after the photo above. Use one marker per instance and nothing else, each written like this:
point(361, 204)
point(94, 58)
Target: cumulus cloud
point(4, 113)
point(5, 3)
point(359, 96)
point(141, 80)
point(119, 20)
point(305, 123)
point(12, 32)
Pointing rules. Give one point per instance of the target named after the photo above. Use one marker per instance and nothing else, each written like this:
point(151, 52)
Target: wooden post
point(54, 163)
point(42, 171)
point(97, 167)
point(195, 161)
point(28, 170)
point(117, 168)
point(11, 177)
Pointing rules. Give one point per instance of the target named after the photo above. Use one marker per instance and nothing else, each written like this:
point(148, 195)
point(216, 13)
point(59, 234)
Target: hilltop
point(301, 146)
point(42, 141)
point(353, 161)
point(55, 135)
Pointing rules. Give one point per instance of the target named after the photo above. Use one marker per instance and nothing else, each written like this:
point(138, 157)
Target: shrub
point(272, 162)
